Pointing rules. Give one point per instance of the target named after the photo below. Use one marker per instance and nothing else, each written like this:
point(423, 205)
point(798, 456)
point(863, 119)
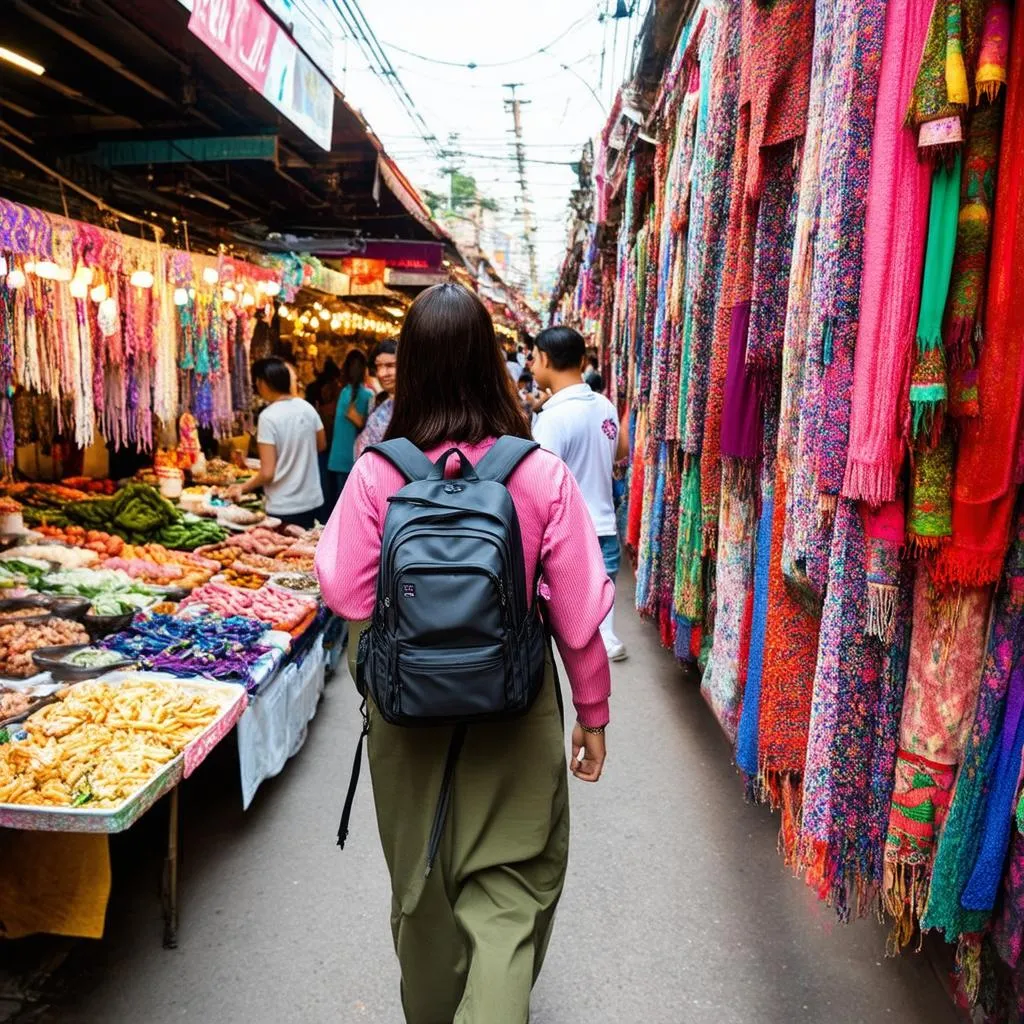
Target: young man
point(289, 435)
point(582, 428)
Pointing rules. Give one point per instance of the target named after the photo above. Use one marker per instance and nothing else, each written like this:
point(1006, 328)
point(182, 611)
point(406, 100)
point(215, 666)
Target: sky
point(565, 108)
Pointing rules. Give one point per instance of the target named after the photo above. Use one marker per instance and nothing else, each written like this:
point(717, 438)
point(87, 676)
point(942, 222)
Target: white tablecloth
point(273, 727)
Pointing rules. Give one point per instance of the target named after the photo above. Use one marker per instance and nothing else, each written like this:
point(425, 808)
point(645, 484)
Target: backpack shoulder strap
point(499, 463)
point(404, 456)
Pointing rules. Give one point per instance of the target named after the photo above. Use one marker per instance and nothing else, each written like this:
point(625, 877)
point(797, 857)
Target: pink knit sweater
point(557, 531)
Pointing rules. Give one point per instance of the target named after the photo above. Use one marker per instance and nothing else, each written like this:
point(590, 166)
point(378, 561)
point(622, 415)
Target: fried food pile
point(101, 743)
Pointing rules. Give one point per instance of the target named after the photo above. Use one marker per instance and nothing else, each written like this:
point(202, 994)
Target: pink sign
point(240, 32)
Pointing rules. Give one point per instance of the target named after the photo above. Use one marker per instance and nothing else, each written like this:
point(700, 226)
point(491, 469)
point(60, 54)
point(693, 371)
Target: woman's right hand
point(588, 754)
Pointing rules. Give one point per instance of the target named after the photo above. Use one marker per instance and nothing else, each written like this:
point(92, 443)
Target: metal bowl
point(51, 659)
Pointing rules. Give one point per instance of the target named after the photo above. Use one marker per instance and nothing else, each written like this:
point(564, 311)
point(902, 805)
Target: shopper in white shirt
point(289, 435)
point(582, 428)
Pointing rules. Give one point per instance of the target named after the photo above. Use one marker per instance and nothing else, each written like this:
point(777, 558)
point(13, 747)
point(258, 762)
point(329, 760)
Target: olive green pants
point(471, 938)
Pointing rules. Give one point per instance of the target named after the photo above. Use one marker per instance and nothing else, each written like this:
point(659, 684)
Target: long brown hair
point(452, 382)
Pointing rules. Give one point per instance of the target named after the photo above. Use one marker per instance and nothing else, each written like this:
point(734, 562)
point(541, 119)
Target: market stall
point(127, 653)
point(807, 245)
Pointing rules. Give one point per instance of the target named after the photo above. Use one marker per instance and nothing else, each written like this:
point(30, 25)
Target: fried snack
point(101, 743)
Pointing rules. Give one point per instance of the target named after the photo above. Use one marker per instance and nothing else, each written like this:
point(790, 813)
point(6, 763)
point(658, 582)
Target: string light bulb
point(78, 288)
point(283, 312)
point(314, 323)
point(99, 293)
point(210, 275)
point(142, 279)
point(271, 288)
point(181, 296)
point(16, 278)
point(229, 294)
point(84, 274)
point(248, 299)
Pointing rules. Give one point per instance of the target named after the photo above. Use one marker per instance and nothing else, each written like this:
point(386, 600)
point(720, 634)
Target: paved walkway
point(677, 911)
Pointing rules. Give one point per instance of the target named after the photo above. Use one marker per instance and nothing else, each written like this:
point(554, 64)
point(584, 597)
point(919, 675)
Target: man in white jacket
point(582, 428)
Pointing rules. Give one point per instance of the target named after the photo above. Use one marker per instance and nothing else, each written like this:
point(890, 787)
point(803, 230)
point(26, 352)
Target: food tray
point(117, 819)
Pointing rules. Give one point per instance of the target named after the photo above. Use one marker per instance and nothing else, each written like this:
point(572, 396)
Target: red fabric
point(778, 40)
point(983, 493)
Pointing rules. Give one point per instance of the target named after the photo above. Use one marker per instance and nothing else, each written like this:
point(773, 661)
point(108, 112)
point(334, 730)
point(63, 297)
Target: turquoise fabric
point(343, 444)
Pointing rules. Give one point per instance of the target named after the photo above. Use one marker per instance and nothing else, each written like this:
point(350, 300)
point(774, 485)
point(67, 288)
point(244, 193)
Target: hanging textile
point(983, 494)
point(894, 234)
point(947, 651)
point(790, 653)
point(930, 515)
point(993, 58)
point(960, 841)
point(722, 684)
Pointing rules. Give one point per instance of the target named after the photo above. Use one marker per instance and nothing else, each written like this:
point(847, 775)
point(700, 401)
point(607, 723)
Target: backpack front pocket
point(451, 683)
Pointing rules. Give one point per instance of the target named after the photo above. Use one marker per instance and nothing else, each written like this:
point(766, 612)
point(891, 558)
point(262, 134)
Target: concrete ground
point(678, 909)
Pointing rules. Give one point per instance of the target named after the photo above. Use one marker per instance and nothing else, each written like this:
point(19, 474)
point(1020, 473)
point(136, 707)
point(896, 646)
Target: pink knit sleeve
point(579, 596)
point(348, 553)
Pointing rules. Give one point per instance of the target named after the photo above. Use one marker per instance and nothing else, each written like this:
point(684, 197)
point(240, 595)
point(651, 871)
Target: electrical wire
point(473, 65)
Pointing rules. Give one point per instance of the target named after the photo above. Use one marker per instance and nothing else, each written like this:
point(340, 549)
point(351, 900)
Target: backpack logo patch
point(408, 590)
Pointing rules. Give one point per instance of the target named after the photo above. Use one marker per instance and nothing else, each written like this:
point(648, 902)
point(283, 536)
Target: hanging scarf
point(941, 92)
point(790, 653)
point(947, 651)
point(983, 494)
point(689, 578)
point(669, 537)
point(778, 40)
point(928, 389)
point(929, 520)
point(884, 534)
point(994, 53)
point(851, 749)
point(847, 132)
point(974, 231)
point(723, 681)
point(708, 268)
point(961, 837)
point(895, 231)
point(732, 279)
point(747, 756)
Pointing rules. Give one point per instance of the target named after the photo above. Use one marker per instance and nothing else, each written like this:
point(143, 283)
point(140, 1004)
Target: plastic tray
point(117, 819)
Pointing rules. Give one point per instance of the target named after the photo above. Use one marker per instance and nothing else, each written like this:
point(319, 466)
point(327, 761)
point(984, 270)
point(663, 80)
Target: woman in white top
point(289, 435)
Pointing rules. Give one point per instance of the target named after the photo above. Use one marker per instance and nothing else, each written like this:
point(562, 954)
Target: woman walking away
point(471, 924)
point(289, 435)
point(353, 407)
point(384, 365)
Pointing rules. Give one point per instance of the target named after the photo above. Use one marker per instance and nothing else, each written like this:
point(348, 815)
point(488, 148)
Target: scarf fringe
point(883, 599)
point(904, 895)
point(875, 484)
point(827, 506)
point(738, 477)
point(921, 545)
point(958, 341)
point(968, 967)
point(988, 91)
point(784, 791)
point(958, 567)
point(928, 409)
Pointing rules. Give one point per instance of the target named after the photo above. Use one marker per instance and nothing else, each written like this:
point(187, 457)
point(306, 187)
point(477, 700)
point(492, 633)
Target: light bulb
point(84, 274)
point(3, 266)
point(283, 312)
point(29, 267)
point(210, 275)
point(142, 279)
point(317, 306)
point(191, 293)
point(79, 289)
point(315, 323)
point(180, 296)
point(99, 293)
point(47, 270)
point(229, 294)
point(248, 300)
point(271, 288)
point(16, 278)
point(312, 350)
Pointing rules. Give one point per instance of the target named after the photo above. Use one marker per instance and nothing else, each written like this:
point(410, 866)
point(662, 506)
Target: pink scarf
point(894, 242)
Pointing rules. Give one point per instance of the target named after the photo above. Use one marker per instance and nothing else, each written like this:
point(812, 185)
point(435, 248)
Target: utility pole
point(514, 105)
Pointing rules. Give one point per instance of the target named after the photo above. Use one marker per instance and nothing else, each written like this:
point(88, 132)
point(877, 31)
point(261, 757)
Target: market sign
point(413, 256)
point(414, 278)
point(251, 42)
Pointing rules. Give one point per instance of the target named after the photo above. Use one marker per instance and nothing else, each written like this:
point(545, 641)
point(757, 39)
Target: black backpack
point(453, 639)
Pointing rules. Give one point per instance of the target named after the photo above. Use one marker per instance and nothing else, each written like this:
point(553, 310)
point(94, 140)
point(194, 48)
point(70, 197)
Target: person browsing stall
point(289, 436)
point(354, 404)
point(385, 366)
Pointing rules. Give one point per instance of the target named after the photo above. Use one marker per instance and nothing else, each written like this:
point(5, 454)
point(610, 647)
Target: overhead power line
point(472, 65)
point(379, 62)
